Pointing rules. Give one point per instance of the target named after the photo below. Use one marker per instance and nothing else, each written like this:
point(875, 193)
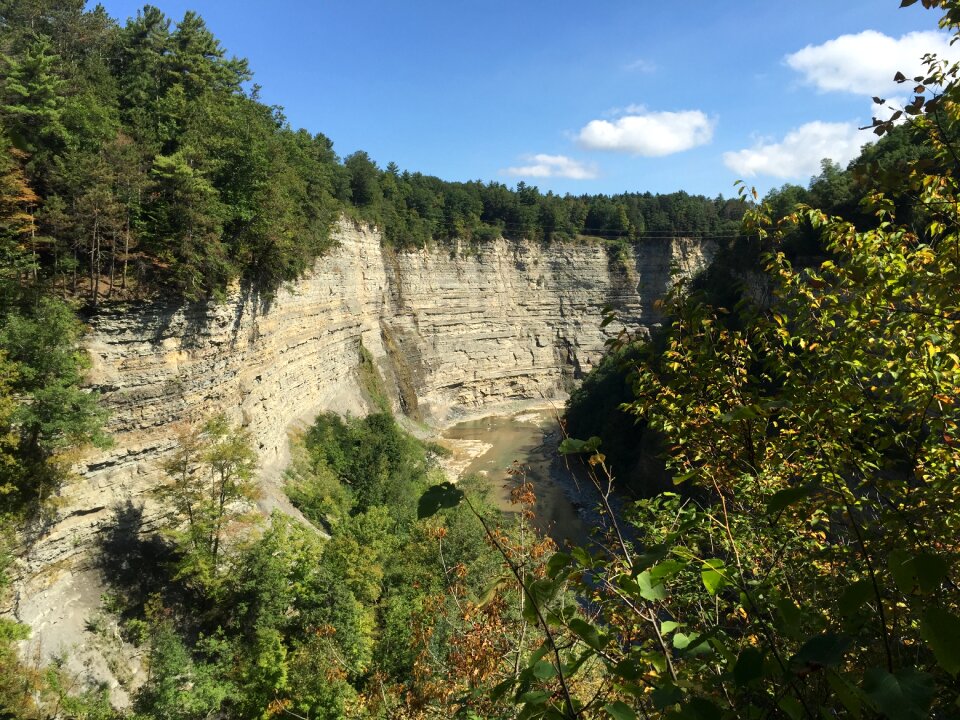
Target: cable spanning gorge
point(452, 333)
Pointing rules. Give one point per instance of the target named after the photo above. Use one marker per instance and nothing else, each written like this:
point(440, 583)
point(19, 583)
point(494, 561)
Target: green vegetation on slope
point(245, 619)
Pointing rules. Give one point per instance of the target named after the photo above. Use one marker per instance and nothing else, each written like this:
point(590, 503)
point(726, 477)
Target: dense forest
point(140, 157)
point(797, 557)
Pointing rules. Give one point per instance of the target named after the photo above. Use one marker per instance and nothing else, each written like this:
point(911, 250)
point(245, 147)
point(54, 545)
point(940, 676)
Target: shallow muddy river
point(491, 446)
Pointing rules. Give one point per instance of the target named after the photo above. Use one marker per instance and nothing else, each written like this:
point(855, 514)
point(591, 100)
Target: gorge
point(453, 331)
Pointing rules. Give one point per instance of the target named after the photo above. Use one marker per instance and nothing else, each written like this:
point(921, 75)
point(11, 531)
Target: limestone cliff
point(450, 330)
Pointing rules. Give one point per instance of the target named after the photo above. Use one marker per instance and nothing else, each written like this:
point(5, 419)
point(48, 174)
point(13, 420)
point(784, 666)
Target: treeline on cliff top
point(139, 157)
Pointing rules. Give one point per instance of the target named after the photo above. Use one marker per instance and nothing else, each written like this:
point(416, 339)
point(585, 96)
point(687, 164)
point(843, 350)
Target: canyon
point(452, 330)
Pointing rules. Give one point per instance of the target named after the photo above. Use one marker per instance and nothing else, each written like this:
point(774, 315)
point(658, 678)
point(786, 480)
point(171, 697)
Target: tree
point(212, 478)
point(50, 414)
point(197, 61)
point(178, 687)
point(18, 227)
point(32, 100)
point(143, 46)
point(364, 174)
point(186, 226)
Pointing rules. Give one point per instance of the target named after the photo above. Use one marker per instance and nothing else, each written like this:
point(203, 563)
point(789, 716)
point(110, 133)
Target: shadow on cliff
point(191, 322)
point(252, 303)
point(133, 561)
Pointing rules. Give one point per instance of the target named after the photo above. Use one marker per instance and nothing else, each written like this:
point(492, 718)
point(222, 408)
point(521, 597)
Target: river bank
point(512, 448)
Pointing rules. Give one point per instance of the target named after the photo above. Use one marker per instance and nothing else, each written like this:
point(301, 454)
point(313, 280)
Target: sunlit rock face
point(452, 330)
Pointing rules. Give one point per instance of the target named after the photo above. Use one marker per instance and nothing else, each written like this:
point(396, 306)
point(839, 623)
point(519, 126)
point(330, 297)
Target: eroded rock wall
point(450, 330)
point(517, 320)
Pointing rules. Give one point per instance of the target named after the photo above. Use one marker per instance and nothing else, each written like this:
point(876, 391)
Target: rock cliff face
point(451, 332)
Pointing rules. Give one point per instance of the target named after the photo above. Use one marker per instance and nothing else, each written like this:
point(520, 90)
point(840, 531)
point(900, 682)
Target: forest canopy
point(144, 159)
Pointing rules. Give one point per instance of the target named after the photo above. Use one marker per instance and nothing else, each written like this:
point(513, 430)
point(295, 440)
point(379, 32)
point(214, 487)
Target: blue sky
point(613, 96)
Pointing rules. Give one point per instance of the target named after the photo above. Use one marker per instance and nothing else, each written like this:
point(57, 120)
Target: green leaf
point(557, 562)
point(628, 670)
point(668, 626)
point(648, 589)
point(791, 707)
point(849, 695)
point(500, 690)
point(544, 670)
point(941, 630)
point(587, 632)
point(924, 571)
point(581, 556)
point(653, 555)
point(741, 412)
point(619, 710)
point(703, 709)
point(667, 568)
point(713, 576)
point(904, 695)
point(930, 570)
point(822, 651)
point(571, 446)
point(749, 666)
point(853, 598)
point(717, 644)
point(538, 655)
point(539, 594)
point(791, 617)
point(438, 497)
point(899, 562)
point(666, 695)
point(683, 477)
point(785, 498)
point(534, 698)
point(691, 644)
point(571, 669)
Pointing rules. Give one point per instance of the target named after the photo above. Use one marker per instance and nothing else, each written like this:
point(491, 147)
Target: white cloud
point(542, 165)
point(614, 112)
point(865, 63)
point(651, 134)
point(799, 154)
point(641, 65)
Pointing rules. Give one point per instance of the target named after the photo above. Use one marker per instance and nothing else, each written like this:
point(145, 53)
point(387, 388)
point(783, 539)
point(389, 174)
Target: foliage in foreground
point(810, 571)
point(597, 406)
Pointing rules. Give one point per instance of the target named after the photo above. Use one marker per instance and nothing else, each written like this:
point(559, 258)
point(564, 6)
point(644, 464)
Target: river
point(504, 448)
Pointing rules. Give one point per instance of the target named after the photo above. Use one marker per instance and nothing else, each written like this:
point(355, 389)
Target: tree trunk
point(126, 252)
point(33, 246)
point(113, 261)
point(95, 261)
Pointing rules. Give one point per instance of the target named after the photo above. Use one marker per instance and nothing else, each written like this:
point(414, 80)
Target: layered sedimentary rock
point(450, 331)
point(516, 320)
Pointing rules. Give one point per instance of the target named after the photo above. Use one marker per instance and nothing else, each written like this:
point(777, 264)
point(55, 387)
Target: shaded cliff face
point(450, 333)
